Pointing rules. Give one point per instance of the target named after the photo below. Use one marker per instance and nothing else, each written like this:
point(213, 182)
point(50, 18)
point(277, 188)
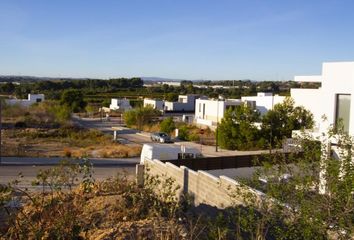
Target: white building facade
point(32, 98)
point(156, 104)
point(120, 104)
point(264, 101)
point(208, 112)
point(185, 103)
point(333, 99)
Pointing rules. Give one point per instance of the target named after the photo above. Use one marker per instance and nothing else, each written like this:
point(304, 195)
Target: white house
point(120, 104)
point(185, 103)
point(32, 98)
point(264, 101)
point(208, 112)
point(332, 99)
point(156, 104)
point(329, 104)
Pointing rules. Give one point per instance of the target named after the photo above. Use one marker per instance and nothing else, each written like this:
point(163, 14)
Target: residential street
point(134, 136)
point(29, 161)
point(9, 173)
point(103, 168)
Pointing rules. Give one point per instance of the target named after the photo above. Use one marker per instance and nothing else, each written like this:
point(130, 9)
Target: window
point(204, 111)
point(343, 111)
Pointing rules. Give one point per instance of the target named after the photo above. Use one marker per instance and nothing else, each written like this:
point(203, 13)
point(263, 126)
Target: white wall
point(156, 104)
point(31, 99)
point(310, 99)
point(120, 104)
point(264, 101)
point(336, 78)
point(214, 110)
point(185, 103)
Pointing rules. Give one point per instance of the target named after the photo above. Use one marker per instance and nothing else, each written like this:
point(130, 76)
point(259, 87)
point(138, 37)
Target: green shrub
point(140, 116)
point(167, 125)
point(183, 133)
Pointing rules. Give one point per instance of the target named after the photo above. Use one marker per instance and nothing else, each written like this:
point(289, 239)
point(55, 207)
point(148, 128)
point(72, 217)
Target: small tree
point(237, 129)
point(167, 125)
point(283, 119)
point(140, 116)
point(171, 97)
point(73, 99)
point(90, 109)
point(292, 207)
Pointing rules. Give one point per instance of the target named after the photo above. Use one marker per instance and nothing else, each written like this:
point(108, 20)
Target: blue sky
point(184, 39)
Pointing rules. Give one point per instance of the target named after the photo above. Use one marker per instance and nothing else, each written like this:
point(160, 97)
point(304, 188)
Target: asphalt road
point(133, 136)
point(10, 173)
point(118, 162)
point(125, 135)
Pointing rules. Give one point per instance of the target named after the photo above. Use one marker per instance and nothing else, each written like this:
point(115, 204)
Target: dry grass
point(32, 142)
point(152, 128)
point(113, 209)
point(108, 151)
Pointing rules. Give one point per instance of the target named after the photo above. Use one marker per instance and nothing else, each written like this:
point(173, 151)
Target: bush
point(73, 99)
point(183, 133)
point(167, 125)
point(140, 116)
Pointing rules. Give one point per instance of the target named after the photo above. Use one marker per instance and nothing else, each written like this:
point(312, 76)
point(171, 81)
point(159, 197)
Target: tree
point(171, 97)
point(237, 129)
point(167, 125)
point(283, 119)
point(73, 99)
point(140, 116)
point(90, 109)
point(293, 207)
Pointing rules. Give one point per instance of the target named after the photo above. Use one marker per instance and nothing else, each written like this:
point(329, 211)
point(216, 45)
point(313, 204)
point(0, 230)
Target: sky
point(179, 39)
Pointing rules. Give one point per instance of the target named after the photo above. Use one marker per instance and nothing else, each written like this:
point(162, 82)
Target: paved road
point(103, 162)
point(125, 135)
point(10, 173)
point(134, 136)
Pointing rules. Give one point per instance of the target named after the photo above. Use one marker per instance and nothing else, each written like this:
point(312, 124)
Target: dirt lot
point(34, 142)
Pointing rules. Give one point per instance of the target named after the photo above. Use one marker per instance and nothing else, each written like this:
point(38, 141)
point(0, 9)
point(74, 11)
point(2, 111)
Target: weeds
point(72, 205)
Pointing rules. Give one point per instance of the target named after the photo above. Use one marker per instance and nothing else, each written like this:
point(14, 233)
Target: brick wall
point(202, 186)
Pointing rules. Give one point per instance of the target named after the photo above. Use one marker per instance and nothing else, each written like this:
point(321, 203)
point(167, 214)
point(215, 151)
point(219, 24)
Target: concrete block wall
point(202, 186)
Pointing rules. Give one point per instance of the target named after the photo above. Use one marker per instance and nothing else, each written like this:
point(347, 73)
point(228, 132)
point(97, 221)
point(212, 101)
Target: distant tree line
point(100, 91)
point(53, 88)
